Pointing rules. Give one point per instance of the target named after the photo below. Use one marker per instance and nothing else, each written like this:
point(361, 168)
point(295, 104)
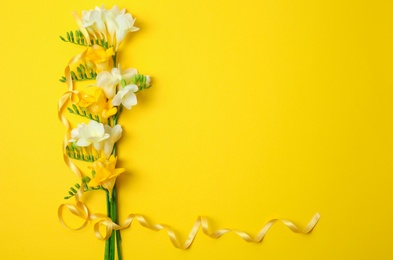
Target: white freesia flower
point(93, 22)
point(124, 25)
point(110, 81)
point(126, 96)
point(109, 17)
point(87, 134)
point(100, 21)
point(114, 136)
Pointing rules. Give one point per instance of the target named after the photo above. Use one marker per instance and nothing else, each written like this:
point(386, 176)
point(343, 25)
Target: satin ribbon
point(201, 222)
point(80, 210)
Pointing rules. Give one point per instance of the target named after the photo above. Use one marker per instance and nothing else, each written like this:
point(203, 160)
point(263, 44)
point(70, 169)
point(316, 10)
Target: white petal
point(103, 77)
point(75, 133)
point(131, 87)
point(116, 133)
point(116, 101)
point(107, 83)
point(129, 100)
point(108, 129)
point(97, 146)
point(83, 143)
point(108, 147)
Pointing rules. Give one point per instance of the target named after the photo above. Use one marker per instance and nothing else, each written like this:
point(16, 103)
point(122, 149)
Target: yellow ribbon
point(200, 222)
point(81, 210)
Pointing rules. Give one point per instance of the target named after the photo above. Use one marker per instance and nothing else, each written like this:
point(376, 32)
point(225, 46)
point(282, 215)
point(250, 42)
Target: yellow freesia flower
point(94, 99)
point(105, 172)
point(100, 57)
point(91, 96)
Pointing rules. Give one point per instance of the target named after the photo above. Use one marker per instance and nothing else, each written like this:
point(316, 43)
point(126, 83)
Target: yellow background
point(259, 110)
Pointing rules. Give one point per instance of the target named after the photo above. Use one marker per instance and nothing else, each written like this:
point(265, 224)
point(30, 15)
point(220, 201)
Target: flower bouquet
point(98, 106)
point(101, 32)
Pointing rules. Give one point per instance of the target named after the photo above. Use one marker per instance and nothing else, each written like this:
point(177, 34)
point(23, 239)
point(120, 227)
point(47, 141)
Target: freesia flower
point(86, 134)
point(124, 24)
point(93, 22)
point(109, 81)
point(105, 172)
point(99, 57)
point(126, 96)
point(94, 99)
point(114, 136)
point(99, 22)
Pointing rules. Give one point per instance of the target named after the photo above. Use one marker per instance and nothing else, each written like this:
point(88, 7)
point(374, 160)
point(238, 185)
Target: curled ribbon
point(200, 222)
point(81, 210)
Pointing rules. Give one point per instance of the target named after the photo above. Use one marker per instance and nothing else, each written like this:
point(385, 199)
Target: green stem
point(107, 254)
point(110, 247)
point(116, 220)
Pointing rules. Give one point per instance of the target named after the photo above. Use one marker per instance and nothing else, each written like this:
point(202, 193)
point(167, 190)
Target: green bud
point(73, 146)
point(72, 36)
point(73, 190)
point(75, 108)
point(86, 179)
point(123, 82)
point(77, 185)
point(79, 72)
point(72, 194)
point(73, 75)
